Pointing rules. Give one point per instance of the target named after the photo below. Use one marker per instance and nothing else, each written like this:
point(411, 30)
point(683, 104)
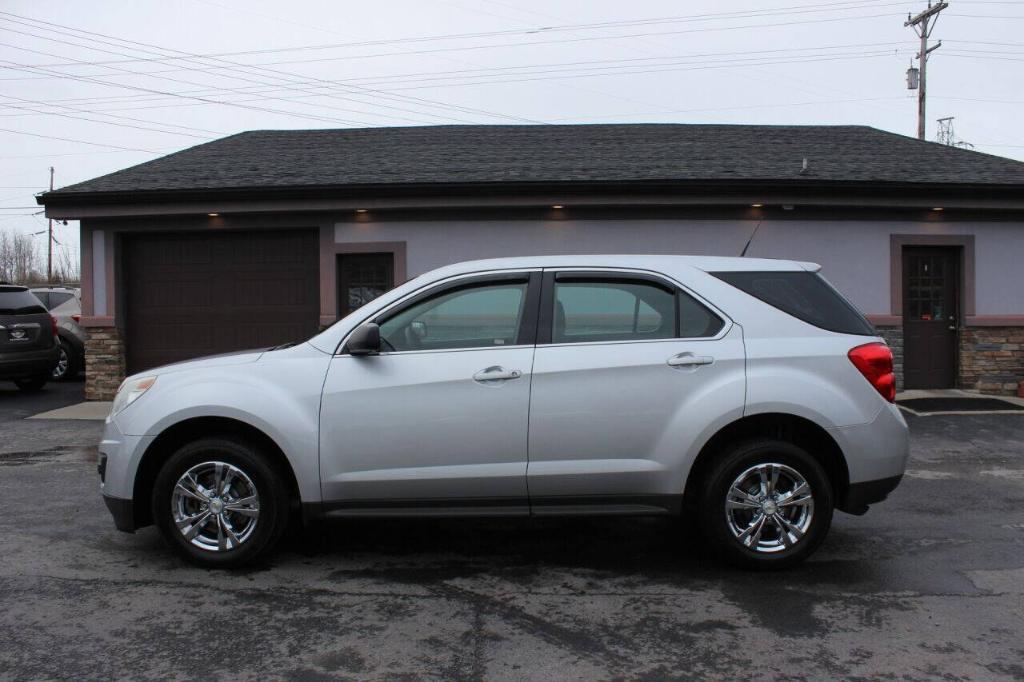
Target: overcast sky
point(93, 87)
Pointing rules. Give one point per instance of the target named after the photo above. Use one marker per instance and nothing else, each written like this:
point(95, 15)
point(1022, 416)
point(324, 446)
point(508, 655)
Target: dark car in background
point(65, 304)
point(29, 348)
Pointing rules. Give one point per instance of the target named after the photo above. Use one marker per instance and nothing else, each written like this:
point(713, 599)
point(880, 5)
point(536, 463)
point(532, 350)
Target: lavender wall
point(854, 254)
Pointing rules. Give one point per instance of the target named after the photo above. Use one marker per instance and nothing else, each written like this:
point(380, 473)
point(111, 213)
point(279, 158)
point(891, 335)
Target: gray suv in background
point(28, 339)
point(65, 304)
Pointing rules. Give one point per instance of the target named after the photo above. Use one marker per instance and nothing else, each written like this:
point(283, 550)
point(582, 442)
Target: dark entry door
point(931, 280)
point(189, 294)
point(363, 277)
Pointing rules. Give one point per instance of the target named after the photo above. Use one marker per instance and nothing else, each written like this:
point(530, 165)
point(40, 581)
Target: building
point(261, 237)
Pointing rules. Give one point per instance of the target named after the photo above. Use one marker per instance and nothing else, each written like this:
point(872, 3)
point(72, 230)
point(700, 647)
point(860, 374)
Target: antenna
point(756, 227)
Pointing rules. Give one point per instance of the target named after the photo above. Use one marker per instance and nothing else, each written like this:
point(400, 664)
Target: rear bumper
point(123, 512)
point(860, 495)
point(876, 456)
point(27, 364)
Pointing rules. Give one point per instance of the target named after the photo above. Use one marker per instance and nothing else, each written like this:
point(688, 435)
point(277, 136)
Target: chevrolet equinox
point(746, 394)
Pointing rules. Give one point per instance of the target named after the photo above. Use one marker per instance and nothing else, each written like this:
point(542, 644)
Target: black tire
point(32, 384)
point(68, 355)
point(270, 486)
point(715, 520)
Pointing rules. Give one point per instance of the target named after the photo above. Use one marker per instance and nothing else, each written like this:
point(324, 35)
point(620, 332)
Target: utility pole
point(923, 26)
point(49, 240)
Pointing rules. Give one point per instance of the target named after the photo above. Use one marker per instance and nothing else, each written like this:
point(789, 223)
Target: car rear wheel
point(32, 384)
point(66, 367)
point(766, 504)
point(220, 503)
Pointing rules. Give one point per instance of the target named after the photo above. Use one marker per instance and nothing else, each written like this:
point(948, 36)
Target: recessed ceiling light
point(556, 206)
point(213, 215)
point(756, 205)
point(361, 210)
point(938, 208)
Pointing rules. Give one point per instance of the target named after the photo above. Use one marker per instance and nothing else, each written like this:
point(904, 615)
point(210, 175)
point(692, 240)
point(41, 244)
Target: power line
point(67, 139)
point(90, 79)
point(489, 71)
point(528, 43)
point(93, 120)
point(777, 11)
point(236, 66)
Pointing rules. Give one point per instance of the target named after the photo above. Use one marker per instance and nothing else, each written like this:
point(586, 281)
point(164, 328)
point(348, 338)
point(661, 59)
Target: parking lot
point(928, 585)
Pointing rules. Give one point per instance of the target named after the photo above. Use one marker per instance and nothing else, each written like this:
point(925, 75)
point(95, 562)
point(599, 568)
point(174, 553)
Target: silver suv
point(744, 394)
point(65, 304)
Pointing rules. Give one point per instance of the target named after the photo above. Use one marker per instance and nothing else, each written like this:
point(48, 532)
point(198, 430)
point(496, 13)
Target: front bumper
point(120, 455)
point(123, 512)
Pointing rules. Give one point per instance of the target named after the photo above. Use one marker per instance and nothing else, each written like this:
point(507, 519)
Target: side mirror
point(365, 340)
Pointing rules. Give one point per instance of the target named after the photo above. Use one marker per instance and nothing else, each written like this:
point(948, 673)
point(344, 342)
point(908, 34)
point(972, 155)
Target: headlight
point(130, 391)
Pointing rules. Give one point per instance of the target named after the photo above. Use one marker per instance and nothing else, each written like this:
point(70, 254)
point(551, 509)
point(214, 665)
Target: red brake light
point(53, 325)
point(76, 317)
point(874, 360)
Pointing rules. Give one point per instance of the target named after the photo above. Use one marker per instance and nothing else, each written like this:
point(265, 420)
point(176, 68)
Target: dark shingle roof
point(442, 155)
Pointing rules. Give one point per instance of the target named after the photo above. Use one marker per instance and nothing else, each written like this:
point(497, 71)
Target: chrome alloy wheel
point(215, 506)
point(63, 362)
point(769, 507)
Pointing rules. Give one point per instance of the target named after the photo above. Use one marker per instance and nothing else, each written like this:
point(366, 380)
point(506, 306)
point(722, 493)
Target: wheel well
point(787, 427)
point(187, 431)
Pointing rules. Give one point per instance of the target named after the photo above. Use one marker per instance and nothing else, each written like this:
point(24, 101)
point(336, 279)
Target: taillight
point(874, 360)
point(77, 318)
point(53, 325)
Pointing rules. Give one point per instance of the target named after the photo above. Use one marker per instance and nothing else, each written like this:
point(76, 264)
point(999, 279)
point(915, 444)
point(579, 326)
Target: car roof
point(7, 288)
point(656, 263)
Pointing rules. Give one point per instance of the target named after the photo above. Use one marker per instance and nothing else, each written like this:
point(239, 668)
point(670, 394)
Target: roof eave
point(704, 192)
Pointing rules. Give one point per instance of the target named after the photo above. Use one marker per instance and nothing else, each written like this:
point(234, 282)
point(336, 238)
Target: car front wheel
point(220, 503)
point(766, 504)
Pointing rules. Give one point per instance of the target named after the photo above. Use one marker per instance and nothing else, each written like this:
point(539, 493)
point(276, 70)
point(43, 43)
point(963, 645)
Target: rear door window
point(805, 295)
point(594, 309)
point(612, 311)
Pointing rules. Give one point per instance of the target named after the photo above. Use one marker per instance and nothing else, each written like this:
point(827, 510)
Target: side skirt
point(574, 505)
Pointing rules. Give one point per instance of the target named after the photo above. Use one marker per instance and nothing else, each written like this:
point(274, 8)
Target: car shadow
point(642, 548)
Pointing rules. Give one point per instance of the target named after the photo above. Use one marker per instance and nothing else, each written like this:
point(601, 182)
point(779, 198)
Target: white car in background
point(746, 395)
point(65, 304)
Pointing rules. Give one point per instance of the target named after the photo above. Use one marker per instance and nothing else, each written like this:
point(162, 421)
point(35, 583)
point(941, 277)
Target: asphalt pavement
point(927, 586)
point(16, 404)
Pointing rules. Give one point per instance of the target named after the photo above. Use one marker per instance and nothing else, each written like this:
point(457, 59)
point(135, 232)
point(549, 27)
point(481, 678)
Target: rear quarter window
point(18, 301)
point(806, 296)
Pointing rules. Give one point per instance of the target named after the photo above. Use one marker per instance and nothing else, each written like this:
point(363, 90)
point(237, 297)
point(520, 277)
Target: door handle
point(496, 373)
point(689, 360)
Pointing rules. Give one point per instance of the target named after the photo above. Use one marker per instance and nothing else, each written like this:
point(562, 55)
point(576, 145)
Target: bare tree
point(19, 258)
point(65, 266)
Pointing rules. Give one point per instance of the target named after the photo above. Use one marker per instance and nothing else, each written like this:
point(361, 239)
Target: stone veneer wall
point(104, 363)
point(894, 337)
point(992, 359)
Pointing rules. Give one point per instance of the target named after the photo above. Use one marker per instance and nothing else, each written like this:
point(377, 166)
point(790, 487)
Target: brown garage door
point(189, 294)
